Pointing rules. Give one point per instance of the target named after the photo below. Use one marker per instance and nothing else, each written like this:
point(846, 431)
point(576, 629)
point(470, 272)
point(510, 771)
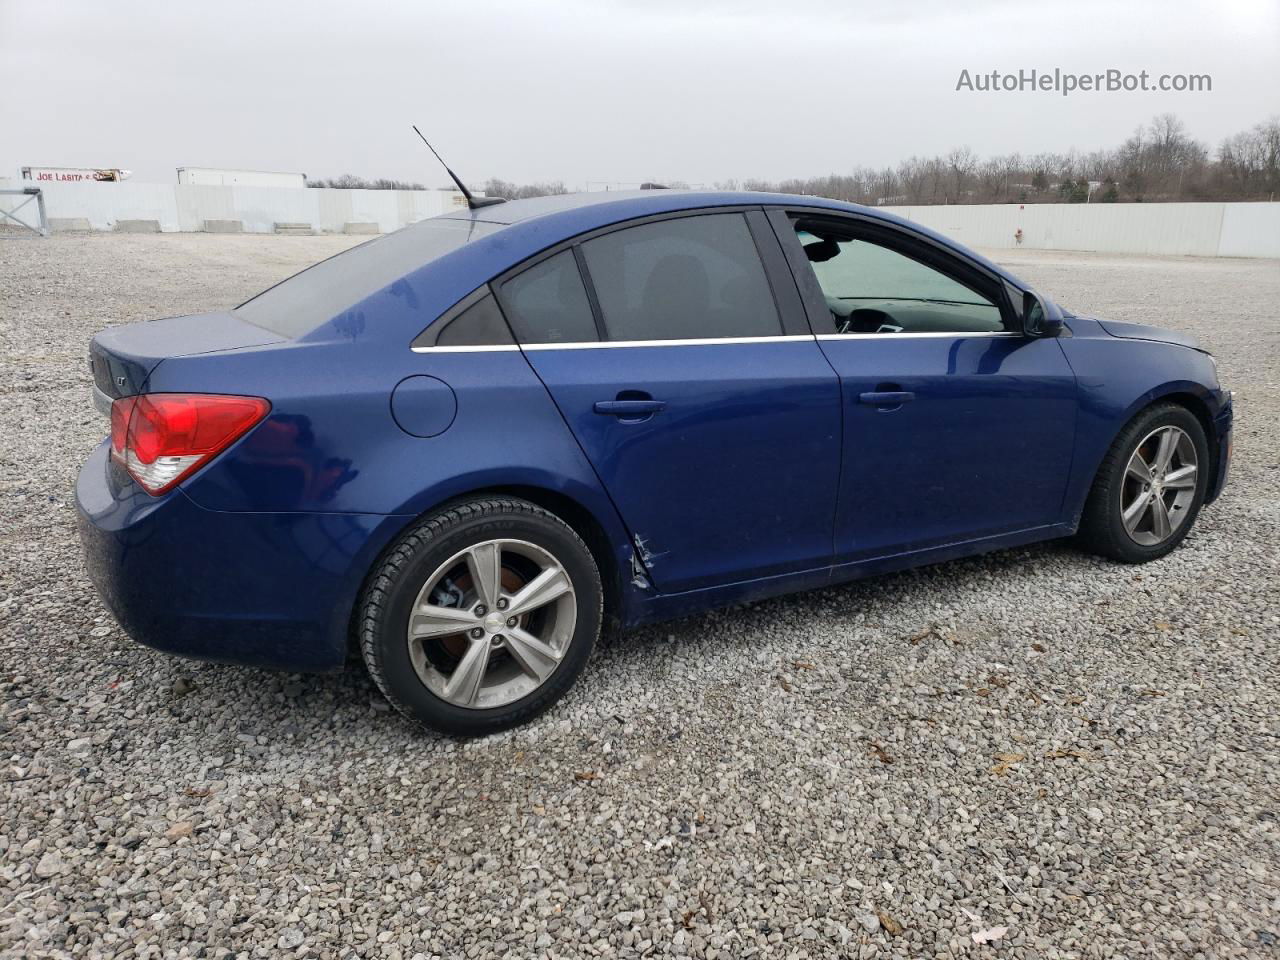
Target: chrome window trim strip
point(951, 334)
point(608, 344)
point(465, 348)
point(701, 342)
point(691, 342)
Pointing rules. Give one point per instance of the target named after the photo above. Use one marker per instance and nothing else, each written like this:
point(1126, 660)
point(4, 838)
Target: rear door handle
point(886, 398)
point(629, 408)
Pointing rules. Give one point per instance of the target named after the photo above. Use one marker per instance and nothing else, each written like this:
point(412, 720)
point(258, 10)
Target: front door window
point(871, 288)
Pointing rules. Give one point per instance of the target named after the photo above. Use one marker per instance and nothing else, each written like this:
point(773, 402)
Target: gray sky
point(610, 90)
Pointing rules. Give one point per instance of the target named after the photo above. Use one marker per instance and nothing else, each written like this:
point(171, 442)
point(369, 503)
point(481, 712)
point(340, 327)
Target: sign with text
point(72, 175)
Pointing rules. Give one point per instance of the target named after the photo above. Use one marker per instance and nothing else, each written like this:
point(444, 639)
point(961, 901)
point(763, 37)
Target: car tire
point(1118, 521)
point(420, 676)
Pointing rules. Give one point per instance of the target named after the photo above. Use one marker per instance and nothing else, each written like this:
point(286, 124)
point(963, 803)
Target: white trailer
point(217, 177)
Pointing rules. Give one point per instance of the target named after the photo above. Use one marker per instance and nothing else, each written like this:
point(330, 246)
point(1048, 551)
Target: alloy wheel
point(1159, 486)
point(492, 623)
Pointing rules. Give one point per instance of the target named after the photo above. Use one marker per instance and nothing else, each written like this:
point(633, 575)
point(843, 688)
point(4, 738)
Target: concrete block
point(360, 228)
point(69, 224)
point(137, 226)
point(224, 226)
point(294, 229)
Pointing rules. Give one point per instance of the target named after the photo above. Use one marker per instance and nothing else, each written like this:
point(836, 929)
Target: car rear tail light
point(161, 438)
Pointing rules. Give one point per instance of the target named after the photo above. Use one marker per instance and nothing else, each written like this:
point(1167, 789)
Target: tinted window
point(480, 324)
point(319, 293)
point(548, 303)
point(682, 279)
point(871, 288)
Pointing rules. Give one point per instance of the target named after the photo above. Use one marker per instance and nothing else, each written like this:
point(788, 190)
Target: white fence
point(1190, 229)
point(186, 207)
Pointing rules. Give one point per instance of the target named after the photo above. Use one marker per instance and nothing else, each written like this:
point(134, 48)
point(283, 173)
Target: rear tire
point(515, 651)
point(1149, 488)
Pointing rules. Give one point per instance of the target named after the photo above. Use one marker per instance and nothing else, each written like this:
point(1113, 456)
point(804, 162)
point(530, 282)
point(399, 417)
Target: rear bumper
point(265, 589)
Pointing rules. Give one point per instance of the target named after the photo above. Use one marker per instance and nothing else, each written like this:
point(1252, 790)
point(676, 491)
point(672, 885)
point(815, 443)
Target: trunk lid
point(123, 357)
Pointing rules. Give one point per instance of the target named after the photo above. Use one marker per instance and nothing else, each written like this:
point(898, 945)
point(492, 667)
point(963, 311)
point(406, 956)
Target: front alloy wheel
point(1159, 485)
point(1149, 487)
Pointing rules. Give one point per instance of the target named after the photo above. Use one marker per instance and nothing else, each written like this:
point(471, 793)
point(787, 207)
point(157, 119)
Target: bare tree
point(961, 162)
point(1249, 162)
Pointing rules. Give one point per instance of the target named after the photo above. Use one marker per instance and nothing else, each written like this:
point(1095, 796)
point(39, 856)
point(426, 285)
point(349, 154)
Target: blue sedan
point(466, 448)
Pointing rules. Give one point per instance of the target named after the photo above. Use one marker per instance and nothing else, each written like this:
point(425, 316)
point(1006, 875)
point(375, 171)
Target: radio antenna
point(473, 203)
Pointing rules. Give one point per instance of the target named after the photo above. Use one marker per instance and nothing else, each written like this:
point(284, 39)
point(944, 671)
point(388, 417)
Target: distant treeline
point(492, 188)
point(349, 181)
point(1160, 162)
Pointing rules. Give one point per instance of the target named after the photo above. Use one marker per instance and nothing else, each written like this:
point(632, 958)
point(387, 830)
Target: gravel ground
point(1080, 752)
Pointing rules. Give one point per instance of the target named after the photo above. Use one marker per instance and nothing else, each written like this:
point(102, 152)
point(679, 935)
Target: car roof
point(568, 214)
point(624, 201)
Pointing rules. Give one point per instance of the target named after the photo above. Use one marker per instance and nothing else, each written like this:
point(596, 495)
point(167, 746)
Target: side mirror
point(1040, 319)
point(820, 251)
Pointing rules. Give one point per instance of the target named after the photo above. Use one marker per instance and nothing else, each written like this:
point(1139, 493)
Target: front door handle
point(886, 398)
point(630, 408)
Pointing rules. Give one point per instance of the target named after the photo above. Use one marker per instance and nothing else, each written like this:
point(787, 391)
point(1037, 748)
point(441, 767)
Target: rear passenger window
point(548, 303)
point(479, 325)
point(690, 278)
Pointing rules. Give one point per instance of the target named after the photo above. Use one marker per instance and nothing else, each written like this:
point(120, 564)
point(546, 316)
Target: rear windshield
point(319, 293)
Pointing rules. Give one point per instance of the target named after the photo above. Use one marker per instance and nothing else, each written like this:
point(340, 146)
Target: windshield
point(319, 293)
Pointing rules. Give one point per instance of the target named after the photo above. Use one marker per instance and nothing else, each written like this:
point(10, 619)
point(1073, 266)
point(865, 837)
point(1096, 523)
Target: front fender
point(1118, 378)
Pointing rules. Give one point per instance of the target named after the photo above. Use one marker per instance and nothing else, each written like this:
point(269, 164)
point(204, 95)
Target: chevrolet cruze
point(465, 448)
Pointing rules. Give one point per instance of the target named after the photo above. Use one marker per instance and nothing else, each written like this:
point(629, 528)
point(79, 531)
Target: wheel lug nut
point(512, 621)
point(477, 633)
point(481, 610)
point(496, 642)
point(502, 604)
